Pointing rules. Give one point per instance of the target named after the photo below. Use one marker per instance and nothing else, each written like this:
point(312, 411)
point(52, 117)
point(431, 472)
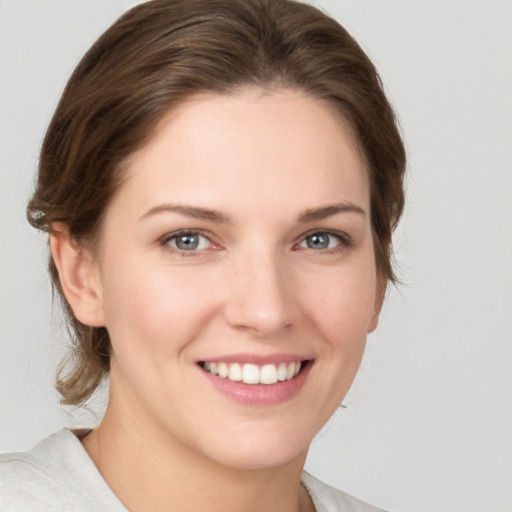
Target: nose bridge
point(260, 298)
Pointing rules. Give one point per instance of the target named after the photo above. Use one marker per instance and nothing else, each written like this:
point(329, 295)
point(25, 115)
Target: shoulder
point(56, 475)
point(329, 499)
point(26, 485)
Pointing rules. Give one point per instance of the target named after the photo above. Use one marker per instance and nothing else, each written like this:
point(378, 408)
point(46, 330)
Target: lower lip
point(259, 394)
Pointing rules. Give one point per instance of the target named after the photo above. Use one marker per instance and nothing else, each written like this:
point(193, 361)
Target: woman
point(219, 182)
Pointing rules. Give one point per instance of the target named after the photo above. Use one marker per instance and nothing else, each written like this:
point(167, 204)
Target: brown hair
point(158, 54)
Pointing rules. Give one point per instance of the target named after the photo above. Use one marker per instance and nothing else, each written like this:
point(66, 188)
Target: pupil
point(187, 242)
point(318, 241)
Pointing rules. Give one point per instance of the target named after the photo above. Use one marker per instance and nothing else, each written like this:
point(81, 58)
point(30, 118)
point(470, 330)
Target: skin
point(169, 440)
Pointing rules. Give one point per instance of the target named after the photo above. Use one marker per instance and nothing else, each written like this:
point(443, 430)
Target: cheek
point(151, 310)
point(344, 309)
point(347, 300)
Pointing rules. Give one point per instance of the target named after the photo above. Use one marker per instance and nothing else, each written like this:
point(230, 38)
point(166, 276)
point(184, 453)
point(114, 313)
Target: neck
point(147, 469)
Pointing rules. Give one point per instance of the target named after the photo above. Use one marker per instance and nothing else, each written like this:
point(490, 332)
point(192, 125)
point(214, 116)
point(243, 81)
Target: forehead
point(246, 148)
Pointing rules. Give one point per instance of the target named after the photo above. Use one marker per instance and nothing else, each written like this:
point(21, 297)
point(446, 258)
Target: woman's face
point(240, 244)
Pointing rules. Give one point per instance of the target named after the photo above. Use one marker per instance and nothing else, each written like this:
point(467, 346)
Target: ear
point(380, 292)
point(78, 275)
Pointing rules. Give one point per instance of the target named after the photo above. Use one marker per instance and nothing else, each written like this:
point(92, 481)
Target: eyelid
point(345, 239)
point(165, 239)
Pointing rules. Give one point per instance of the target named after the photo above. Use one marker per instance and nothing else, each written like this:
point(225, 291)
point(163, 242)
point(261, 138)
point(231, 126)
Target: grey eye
point(318, 241)
point(189, 242)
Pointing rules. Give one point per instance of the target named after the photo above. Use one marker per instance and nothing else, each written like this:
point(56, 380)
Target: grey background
point(429, 421)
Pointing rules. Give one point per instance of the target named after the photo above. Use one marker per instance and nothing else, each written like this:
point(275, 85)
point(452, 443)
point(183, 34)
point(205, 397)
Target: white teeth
point(235, 372)
point(281, 372)
point(254, 374)
point(290, 371)
point(223, 370)
point(268, 374)
point(251, 374)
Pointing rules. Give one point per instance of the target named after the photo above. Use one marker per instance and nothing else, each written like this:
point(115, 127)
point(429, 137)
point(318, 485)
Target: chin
point(263, 448)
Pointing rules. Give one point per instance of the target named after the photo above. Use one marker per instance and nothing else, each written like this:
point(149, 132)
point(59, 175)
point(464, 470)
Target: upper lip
point(256, 359)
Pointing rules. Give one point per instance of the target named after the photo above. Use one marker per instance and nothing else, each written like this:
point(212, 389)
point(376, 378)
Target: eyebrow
point(188, 211)
point(311, 215)
point(325, 212)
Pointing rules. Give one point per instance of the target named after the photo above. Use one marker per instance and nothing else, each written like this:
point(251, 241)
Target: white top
point(57, 475)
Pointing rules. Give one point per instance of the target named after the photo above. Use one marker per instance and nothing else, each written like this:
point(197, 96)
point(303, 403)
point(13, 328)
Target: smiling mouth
point(249, 373)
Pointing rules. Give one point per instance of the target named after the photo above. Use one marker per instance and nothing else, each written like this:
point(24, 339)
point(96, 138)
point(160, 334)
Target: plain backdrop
point(428, 424)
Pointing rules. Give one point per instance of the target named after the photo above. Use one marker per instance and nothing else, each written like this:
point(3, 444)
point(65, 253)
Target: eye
point(188, 241)
point(322, 240)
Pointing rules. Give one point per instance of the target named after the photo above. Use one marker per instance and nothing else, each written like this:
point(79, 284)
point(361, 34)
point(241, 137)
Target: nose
point(260, 298)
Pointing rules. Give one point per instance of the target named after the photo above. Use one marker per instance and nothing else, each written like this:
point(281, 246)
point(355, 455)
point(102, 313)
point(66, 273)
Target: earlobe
point(78, 276)
point(379, 300)
point(373, 322)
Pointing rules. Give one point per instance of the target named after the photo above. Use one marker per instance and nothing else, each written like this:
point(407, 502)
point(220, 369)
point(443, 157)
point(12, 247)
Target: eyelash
point(167, 239)
point(344, 242)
